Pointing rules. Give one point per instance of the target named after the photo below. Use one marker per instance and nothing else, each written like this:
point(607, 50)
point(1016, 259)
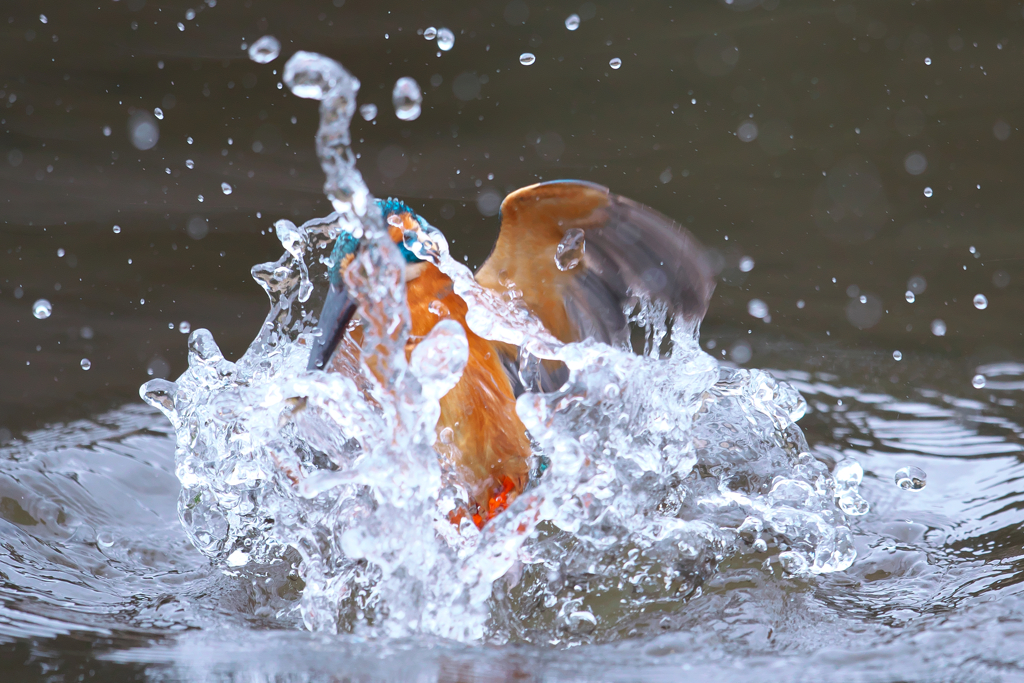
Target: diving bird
point(576, 253)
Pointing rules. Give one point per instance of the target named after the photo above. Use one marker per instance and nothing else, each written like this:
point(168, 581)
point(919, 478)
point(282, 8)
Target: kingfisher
point(575, 254)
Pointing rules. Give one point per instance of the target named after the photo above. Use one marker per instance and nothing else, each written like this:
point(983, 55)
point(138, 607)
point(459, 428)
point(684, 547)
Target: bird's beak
point(339, 308)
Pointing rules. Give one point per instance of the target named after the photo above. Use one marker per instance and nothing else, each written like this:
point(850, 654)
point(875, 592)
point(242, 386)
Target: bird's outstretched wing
point(578, 253)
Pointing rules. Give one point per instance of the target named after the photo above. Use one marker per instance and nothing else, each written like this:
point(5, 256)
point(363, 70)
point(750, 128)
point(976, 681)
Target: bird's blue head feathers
point(347, 244)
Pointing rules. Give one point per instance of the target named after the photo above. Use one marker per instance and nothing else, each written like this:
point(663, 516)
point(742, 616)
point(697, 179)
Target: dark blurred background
point(828, 152)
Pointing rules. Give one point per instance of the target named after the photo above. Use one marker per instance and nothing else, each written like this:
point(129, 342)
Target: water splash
point(265, 50)
point(648, 470)
point(407, 98)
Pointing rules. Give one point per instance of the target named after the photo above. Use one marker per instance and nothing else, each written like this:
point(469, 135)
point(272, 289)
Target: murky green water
point(844, 149)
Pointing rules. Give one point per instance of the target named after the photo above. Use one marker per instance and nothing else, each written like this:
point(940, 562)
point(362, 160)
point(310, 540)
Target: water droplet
point(757, 308)
point(897, 355)
point(615, 63)
point(197, 227)
point(184, 327)
point(407, 98)
point(189, 163)
point(666, 176)
point(181, 26)
point(225, 188)
point(265, 50)
point(527, 58)
point(189, 139)
point(571, 249)
point(430, 33)
point(572, 22)
point(445, 39)
point(200, 198)
point(117, 229)
point(911, 478)
point(800, 303)
point(42, 309)
point(438, 308)
point(143, 130)
point(915, 163)
point(60, 254)
point(368, 112)
point(42, 18)
point(86, 364)
point(159, 113)
point(910, 297)
point(928, 192)
point(190, 15)
point(106, 131)
point(760, 545)
point(928, 60)
point(917, 284)
point(980, 302)
point(848, 473)
point(938, 328)
point(978, 381)
point(747, 131)
point(741, 352)
point(746, 264)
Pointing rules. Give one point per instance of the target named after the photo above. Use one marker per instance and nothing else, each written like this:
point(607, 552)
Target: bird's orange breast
point(487, 447)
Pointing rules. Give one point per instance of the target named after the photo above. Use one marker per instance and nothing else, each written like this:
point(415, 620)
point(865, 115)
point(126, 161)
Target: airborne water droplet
point(86, 364)
point(368, 112)
point(445, 39)
point(938, 328)
point(572, 22)
point(746, 264)
point(615, 63)
point(159, 113)
point(189, 163)
point(911, 478)
point(897, 355)
point(910, 297)
point(265, 50)
point(117, 229)
point(225, 188)
point(42, 309)
point(757, 308)
point(928, 192)
point(143, 130)
point(571, 249)
point(978, 381)
point(407, 98)
point(980, 302)
point(184, 327)
point(527, 58)
point(430, 33)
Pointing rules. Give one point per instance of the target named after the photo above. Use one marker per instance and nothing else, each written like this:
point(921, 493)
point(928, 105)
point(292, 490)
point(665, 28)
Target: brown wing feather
point(629, 249)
